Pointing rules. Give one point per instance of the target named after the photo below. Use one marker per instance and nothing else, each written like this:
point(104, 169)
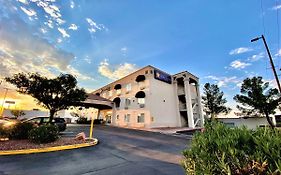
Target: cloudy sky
point(101, 41)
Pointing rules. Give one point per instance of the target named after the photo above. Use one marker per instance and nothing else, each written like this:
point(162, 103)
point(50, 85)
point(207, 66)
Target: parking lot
point(120, 151)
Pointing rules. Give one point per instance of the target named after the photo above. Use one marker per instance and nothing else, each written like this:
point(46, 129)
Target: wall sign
point(162, 76)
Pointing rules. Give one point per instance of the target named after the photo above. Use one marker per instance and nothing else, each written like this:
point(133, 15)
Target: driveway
point(120, 151)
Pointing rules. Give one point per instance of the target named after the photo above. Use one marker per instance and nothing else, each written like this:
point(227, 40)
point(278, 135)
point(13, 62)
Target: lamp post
point(270, 59)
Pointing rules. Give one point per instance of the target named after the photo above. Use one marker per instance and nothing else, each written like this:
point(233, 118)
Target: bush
point(21, 130)
point(83, 120)
point(4, 132)
point(98, 121)
point(223, 150)
point(44, 134)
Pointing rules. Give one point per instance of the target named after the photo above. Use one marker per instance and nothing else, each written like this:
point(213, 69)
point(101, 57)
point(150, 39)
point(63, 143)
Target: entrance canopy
point(95, 101)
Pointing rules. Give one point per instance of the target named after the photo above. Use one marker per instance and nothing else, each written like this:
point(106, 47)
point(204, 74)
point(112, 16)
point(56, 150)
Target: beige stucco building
point(152, 98)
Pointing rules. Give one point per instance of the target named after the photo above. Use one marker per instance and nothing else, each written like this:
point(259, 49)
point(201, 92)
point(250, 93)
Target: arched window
point(117, 101)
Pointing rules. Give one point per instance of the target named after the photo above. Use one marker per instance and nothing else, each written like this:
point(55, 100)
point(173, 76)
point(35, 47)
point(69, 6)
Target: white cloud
point(92, 30)
point(240, 50)
point(239, 64)
point(223, 81)
point(278, 54)
point(116, 72)
point(72, 4)
point(43, 30)
point(59, 40)
point(63, 32)
point(94, 26)
point(124, 49)
point(21, 51)
point(49, 23)
point(73, 27)
point(256, 57)
point(71, 70)
point(276, 7)
point(29, 12)
point(51, 10)
point(23, 1)
point(88, 60)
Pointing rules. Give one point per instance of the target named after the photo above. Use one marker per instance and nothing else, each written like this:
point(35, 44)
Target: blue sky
point(101, 41)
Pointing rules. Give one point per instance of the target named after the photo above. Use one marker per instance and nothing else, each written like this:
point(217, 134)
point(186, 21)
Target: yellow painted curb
point(48, 149)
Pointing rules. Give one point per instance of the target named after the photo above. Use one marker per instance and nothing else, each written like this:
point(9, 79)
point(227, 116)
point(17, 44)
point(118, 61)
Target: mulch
point(26, 144)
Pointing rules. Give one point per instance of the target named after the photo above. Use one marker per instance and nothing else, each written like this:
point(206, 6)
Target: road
point(120, 151)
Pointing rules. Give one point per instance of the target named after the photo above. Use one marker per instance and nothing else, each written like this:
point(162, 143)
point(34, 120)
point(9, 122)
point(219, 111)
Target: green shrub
point(83, 120)
point(21, 130)
point(223, 150)
point(44, 134)
point(4, 132)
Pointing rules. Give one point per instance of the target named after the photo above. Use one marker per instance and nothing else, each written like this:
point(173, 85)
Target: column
point(200, 108)
point(188, 103)
point(177, 103)
point(113, 115)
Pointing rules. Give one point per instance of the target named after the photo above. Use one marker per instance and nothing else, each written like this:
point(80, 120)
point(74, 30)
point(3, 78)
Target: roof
point(95, 101)
point(96, 97)
point(148, 66)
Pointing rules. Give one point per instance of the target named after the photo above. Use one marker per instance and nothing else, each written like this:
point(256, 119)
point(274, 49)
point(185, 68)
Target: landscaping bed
point(26, 144)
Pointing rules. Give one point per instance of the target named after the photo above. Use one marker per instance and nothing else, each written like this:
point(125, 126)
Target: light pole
point(270, 59)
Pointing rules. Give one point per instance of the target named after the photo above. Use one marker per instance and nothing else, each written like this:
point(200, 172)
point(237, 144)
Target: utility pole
point(270, 59)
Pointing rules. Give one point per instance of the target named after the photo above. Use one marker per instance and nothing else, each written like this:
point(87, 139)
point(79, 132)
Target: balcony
point(182, 107)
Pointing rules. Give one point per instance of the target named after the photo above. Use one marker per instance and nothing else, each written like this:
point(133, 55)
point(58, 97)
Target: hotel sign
point(162, 76)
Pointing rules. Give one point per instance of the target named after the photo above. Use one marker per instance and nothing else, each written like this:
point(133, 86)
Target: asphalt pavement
point(120, 151)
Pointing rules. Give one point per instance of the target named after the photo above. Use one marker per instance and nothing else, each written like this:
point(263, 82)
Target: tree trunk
point(52, 113)
point(269, 121)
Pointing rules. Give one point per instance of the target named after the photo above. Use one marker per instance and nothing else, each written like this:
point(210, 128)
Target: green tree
point(257, 99)
point(17, 113)
point(213, 100)
point(53, 94)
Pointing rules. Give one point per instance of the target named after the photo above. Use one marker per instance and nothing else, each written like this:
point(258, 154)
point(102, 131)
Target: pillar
point(177, 103)
point(200, 108)
point(188, 103)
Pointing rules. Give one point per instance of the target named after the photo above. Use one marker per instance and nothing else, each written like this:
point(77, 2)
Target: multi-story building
point(152, 98)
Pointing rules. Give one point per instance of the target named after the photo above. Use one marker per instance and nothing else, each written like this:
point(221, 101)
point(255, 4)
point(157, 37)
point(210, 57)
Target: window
point(127, 118)
point(146, 72)
point(117, 117)
point(129, 87)
point(127, 102)
point(141, 118)
point(141, 100)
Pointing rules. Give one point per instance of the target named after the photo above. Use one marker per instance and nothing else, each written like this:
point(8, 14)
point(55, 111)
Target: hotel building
point(150, 98)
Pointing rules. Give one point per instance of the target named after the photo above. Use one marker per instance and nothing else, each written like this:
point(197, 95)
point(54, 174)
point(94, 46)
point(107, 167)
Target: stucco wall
point(251, 123)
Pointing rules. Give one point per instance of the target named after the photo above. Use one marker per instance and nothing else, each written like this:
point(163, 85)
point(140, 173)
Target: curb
point(48, 149)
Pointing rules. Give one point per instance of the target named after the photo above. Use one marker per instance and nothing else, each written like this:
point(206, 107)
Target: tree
point(53, 94)
point(257, 98)
point(17, 113)
point(213, 100)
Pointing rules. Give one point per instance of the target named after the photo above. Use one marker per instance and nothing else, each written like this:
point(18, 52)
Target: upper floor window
point(129, 87)
point(127, 102)
point(127, 118)
point(141, 118)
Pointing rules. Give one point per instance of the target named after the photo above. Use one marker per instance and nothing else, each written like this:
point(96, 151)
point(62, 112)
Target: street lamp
point(270, 59)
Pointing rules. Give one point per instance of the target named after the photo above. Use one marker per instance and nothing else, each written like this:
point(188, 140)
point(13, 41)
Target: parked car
point(59, 122)
point(6, 123)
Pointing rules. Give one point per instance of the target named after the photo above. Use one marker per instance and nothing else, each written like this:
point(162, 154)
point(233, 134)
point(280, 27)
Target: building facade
point(150, 98)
